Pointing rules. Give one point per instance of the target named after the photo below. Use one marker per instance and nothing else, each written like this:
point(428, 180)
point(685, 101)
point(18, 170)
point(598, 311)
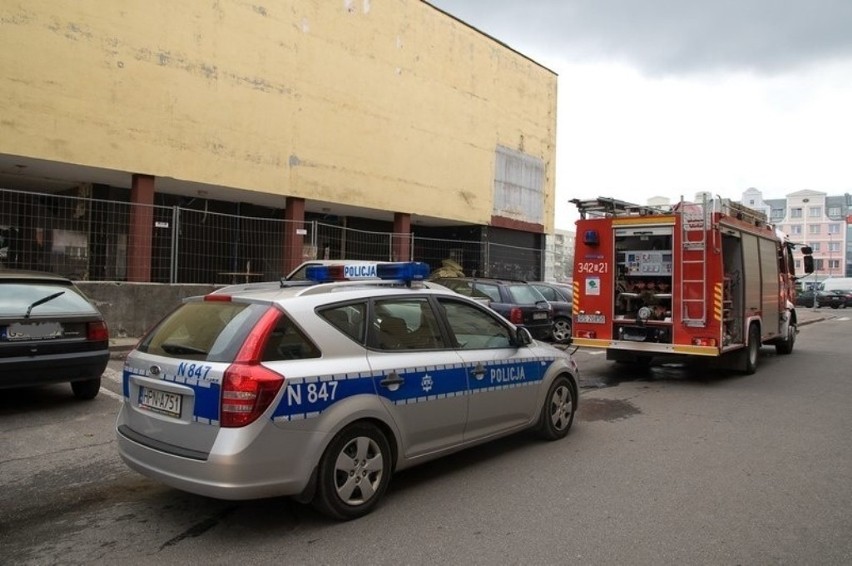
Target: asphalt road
point(669, 466)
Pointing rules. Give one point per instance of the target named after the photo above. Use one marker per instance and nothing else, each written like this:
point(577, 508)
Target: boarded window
point(518, 186)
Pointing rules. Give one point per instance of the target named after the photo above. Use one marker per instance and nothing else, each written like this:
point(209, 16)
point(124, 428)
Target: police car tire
point(87, 389)
point(356, 437)
point(558, 406)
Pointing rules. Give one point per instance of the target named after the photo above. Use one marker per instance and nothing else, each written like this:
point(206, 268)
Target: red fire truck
point(709, 280)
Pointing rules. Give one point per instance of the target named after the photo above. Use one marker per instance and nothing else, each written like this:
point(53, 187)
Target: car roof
point(484, 279)
point(22, 275)
point(342, 290)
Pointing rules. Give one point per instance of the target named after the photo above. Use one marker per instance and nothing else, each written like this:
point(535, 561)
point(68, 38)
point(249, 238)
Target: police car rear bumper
point(253, 472)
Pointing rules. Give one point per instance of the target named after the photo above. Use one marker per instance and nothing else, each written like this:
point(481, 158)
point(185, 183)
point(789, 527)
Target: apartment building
point(816, 219)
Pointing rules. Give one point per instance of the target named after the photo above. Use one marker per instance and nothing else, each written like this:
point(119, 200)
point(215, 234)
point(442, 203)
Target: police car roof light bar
point(400, 271)
point(404, 271)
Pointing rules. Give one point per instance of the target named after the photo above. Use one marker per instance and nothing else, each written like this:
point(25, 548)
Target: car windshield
point(16, 298)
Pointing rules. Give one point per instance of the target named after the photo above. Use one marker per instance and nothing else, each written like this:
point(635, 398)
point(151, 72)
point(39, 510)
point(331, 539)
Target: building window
point(834, 211)
point(815, 211)
point(833, 264)
point(815, 246)
point(796, 229)
point(814, 229)
point(834, 246)
point(796, 212)
point(818, 264)
point(518, 186)
point(834, 228)
point(777, 213)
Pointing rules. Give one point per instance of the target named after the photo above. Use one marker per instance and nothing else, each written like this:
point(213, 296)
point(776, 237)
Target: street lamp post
point(830, 253)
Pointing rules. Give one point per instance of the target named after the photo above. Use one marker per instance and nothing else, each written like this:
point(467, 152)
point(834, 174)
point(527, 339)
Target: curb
point(119, 349)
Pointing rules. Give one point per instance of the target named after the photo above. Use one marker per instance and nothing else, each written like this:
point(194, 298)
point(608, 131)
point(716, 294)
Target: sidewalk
point(119, 347)
point(809, 315)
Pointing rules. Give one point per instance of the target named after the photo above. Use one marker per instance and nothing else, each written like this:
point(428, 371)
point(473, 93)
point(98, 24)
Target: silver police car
point(322, 390)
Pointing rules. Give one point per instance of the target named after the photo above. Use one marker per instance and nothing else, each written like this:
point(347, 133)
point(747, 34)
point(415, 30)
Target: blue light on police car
point(324, 273)
point(405, 271)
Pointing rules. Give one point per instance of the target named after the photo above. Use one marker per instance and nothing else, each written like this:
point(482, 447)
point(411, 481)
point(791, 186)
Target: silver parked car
point(322, 391)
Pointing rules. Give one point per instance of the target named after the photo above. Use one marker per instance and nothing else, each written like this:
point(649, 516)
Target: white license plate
point(33, 331)
point(539, 315)
point(591, 318)
point(160, 401)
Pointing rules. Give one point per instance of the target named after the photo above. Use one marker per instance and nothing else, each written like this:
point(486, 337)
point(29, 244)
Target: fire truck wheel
point(752, 349)
point(557, 413)
point(786, 347)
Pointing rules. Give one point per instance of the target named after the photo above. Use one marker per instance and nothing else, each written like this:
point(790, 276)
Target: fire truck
point(709, 281)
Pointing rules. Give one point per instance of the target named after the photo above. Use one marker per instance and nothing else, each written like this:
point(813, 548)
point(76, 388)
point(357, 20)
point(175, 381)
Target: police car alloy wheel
point(557, 415)
point(354, 472)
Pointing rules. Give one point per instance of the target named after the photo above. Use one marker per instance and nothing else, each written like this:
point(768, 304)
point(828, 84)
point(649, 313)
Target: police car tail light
point(97, 331)
point(248, 388)
point(516, 316)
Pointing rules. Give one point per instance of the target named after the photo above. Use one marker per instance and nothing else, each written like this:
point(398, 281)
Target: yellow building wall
point(387, 104)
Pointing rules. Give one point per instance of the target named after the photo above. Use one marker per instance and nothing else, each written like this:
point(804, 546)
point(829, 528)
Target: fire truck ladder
point(693, 290)
point(604, 206)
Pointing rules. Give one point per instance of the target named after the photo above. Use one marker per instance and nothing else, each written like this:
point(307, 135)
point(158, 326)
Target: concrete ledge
point(130, 309)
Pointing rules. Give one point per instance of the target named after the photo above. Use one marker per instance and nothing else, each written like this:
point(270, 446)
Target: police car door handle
point(392, 379)
point(479, 371)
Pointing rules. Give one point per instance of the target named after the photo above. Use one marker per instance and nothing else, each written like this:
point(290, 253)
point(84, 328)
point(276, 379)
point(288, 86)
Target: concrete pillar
point(401, 237)
point(294, 214)
point(141, 229)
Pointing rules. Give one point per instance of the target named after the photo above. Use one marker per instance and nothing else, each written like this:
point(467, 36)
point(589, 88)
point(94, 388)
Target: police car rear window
point(210, 331)
point(288, 342)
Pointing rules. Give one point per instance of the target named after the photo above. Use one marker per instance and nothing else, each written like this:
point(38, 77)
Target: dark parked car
point(844, 298)
point(50, 333)
point(559, 296)
point(518, 301)
point(831, 299)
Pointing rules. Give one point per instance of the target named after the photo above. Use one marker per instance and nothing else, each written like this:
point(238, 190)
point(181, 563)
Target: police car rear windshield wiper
point(172, 348)
point(42, 301)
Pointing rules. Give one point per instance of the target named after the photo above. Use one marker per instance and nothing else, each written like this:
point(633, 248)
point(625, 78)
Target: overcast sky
point(671, 97)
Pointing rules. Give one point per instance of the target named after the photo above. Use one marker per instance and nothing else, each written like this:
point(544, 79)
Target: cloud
point(670, 37)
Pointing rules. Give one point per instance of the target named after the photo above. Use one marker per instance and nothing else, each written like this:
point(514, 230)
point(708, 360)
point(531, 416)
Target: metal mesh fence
point(89, 239)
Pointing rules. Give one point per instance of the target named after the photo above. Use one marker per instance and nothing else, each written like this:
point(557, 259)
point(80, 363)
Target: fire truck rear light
point(586, 334)
point(703, 341)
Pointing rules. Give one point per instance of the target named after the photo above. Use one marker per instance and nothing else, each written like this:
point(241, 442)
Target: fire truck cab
point(709, 280)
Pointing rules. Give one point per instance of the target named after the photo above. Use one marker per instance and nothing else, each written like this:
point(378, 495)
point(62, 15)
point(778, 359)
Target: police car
point(322, 390)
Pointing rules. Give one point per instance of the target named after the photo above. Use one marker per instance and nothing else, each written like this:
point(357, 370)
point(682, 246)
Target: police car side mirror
point(523, 337)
